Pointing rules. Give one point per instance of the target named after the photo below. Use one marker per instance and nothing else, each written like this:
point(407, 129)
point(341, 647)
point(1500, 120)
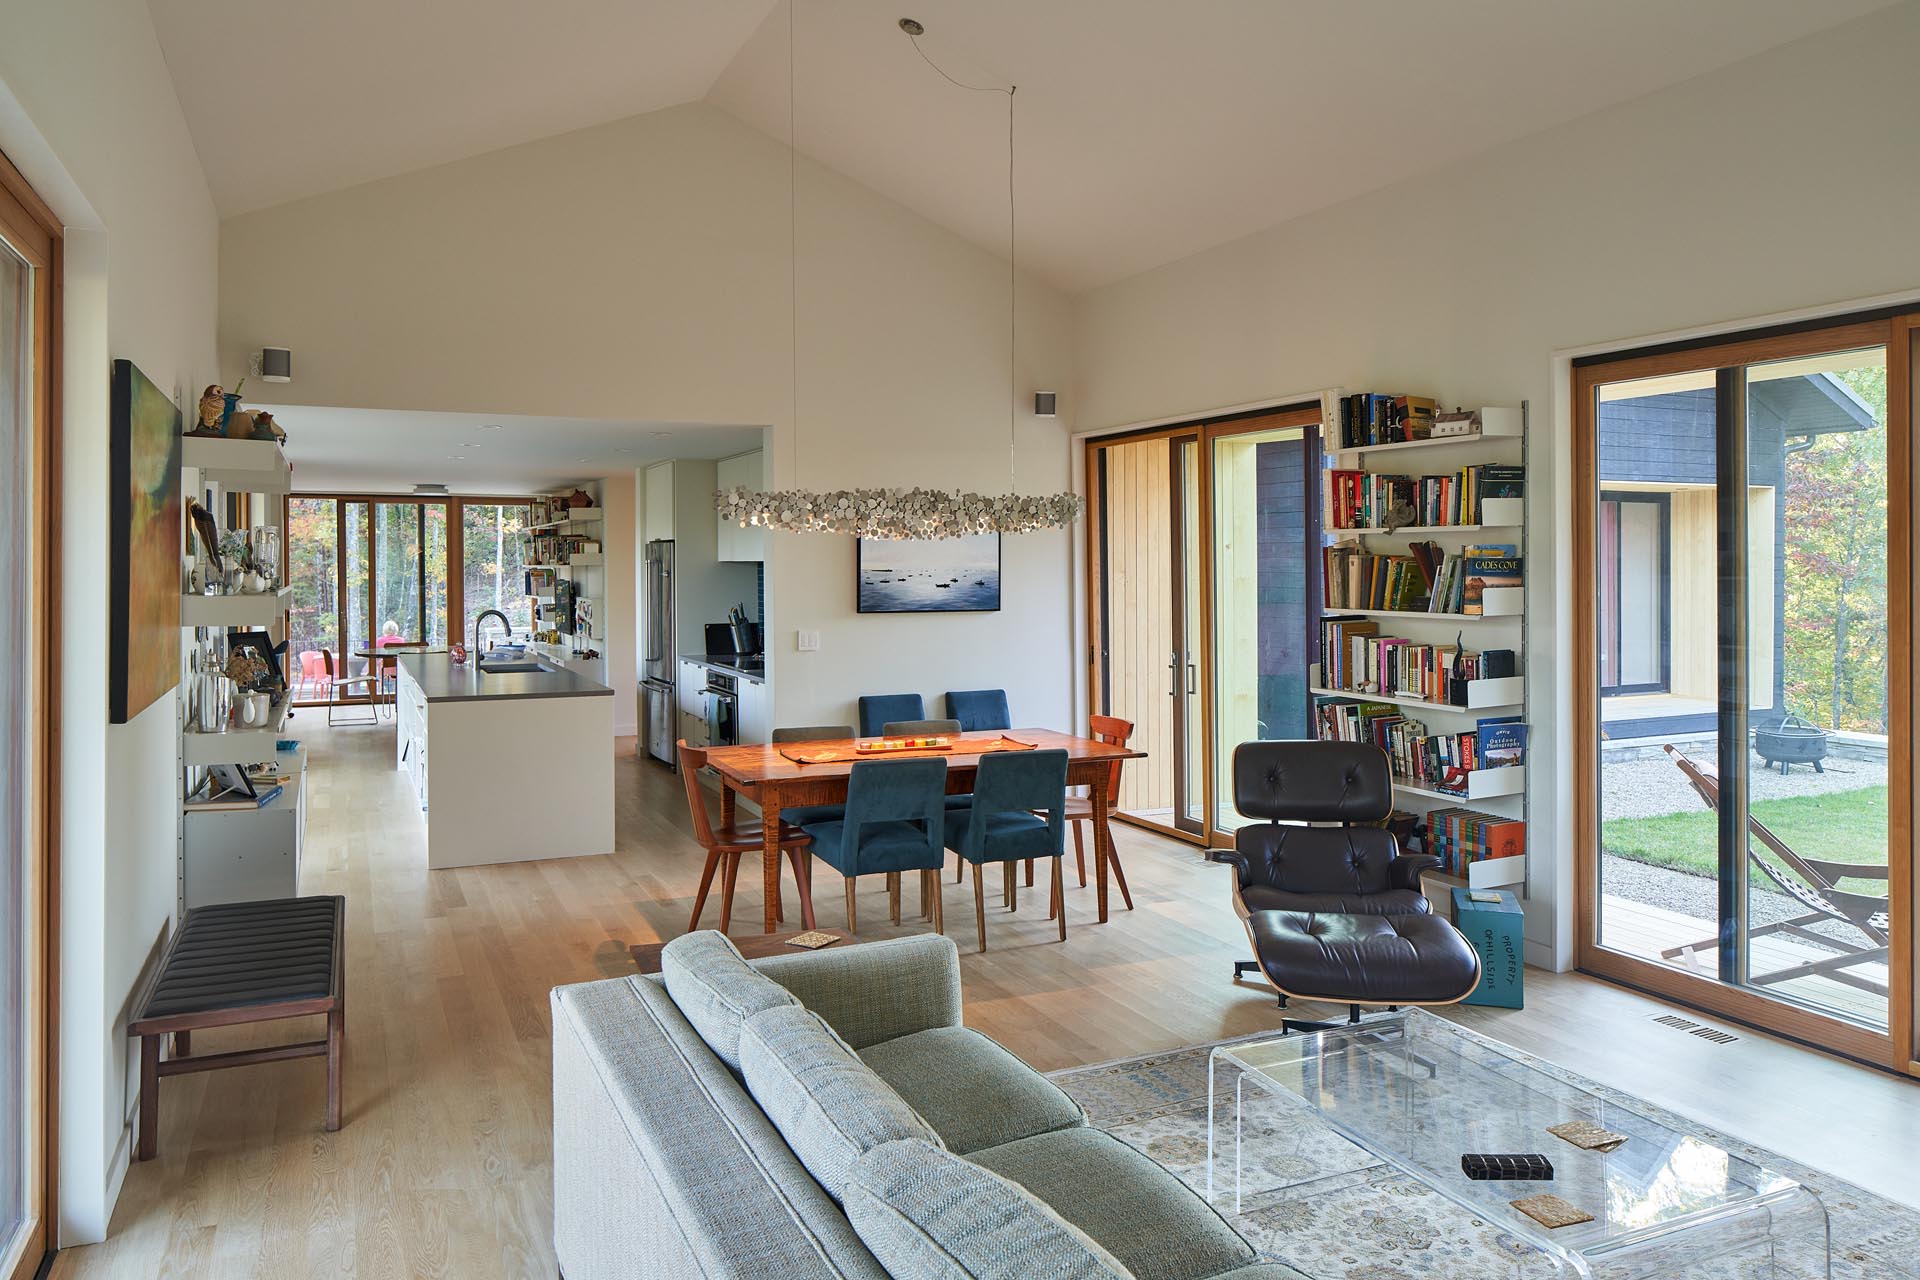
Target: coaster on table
point(1551, 1211)
point(1588, 1135)
point(812, 940)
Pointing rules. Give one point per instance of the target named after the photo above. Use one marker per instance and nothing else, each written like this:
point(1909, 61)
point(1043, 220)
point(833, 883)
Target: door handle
point(1193, 678)
point(1173, 671)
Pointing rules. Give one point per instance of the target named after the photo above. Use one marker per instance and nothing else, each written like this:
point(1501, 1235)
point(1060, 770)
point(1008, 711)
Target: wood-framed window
point(30, 283)
point(367, 568)
point(1744, 678)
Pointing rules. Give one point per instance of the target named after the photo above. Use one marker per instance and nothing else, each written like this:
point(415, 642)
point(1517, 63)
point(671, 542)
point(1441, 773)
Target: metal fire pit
point(1792, 741)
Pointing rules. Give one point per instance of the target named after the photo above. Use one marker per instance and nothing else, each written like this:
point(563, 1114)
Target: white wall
point(88, 113)
point(1784, 182)
point(640, 270)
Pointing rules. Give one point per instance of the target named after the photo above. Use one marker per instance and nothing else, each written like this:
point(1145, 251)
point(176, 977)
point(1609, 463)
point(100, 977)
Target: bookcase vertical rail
point(1392, 532)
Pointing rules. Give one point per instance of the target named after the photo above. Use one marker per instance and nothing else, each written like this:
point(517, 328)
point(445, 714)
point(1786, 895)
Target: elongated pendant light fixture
point(915, 512)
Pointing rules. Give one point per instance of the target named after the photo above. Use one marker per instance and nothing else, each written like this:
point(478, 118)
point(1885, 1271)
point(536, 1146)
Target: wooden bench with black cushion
point(236, 962)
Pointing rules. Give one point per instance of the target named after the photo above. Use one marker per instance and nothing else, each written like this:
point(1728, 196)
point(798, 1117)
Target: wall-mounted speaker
point(1043, 404)
point(276, 364)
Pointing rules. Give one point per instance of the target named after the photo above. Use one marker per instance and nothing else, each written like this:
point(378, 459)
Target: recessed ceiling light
point(489, 426)
point(468, 444)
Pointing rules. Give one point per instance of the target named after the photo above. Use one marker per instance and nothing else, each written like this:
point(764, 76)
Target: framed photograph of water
point(938, 575)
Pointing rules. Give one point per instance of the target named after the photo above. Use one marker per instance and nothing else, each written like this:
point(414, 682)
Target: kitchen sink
point(512, 667)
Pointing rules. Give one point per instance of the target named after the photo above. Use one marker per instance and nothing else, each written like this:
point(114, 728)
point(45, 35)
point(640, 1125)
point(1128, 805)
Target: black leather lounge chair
point(1334, 911)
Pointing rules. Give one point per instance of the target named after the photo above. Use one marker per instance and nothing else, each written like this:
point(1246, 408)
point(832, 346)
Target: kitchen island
point(506, 766)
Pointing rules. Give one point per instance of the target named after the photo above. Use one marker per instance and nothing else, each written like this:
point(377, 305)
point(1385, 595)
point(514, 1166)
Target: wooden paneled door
point(1744, 772)
point(1146, 632)
point(1203, 562)
point(29, 718)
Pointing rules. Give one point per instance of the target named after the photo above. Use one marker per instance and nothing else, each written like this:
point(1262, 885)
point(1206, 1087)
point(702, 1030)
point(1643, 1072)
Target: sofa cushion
point(829, 1106)
point(872, 992)
point(973, 1092)
point(1143, 1215)
point(716, 989)
point(924, 1212)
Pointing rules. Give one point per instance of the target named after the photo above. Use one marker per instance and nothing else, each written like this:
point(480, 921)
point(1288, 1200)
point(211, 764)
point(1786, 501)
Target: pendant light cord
point(793, 247)
point(1013, 280)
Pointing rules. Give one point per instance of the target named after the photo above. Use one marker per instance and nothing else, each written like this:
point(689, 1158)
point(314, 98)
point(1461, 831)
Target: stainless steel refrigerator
point(657, 652)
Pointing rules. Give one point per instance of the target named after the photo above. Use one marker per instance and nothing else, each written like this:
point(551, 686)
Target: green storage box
point(1497, 930)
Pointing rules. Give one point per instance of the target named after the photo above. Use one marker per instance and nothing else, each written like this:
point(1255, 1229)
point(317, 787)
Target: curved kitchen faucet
point(481, 619)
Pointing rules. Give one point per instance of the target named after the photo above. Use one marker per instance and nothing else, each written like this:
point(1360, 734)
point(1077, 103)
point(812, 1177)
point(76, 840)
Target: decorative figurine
point(213, 407)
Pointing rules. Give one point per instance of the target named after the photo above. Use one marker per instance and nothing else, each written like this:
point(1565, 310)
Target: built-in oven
point(722, 703)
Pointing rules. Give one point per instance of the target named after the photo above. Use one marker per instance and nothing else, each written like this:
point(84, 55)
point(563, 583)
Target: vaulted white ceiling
point(1147, 130)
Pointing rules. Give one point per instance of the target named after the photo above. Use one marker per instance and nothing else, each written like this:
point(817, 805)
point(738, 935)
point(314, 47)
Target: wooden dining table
point(769, 776)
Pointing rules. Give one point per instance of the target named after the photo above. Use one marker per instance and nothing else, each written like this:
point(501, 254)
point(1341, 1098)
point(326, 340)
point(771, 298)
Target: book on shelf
point(1433, 761)
point(1355, 499)
point(1461, 837)
point(1355, 658)
point(1484, 567)
point(1370, 419)
point(1503, 741)
point(231, 801)
point(1353, 578)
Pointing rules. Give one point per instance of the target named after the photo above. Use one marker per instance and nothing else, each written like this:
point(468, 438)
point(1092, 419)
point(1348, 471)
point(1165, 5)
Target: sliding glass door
point(1747, 749)
point(1205, 556)
point(29, 247)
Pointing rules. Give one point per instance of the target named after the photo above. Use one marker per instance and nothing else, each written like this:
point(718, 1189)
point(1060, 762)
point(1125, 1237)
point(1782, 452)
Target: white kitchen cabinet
point(657, 519)
point(756, 711)
point(746, 471)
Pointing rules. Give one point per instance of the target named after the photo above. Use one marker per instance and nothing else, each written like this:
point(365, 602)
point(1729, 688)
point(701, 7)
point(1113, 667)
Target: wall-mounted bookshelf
point(1412, 506)
point(237, 855)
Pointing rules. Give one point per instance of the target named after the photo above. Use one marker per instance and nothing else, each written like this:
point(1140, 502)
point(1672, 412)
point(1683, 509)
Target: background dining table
point(769, 776)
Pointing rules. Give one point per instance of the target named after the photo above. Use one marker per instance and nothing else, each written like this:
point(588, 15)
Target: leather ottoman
point(1363, 959)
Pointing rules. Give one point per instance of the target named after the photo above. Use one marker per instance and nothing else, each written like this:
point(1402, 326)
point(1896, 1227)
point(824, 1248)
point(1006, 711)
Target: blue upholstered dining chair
point(876, 709)
point(801, 815)
point(980, 709)
point(1003, 824)
point(895, 822)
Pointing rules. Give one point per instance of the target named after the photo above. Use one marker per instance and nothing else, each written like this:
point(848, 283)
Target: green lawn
point(1844, 826)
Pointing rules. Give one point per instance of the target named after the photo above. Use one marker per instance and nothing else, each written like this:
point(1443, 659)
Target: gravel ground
point(1653, 788)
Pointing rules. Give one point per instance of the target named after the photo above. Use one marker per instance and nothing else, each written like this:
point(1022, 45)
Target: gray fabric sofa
point(825, 1114)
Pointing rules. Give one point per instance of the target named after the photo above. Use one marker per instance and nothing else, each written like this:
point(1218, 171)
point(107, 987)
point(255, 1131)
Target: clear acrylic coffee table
point(1411, 1091)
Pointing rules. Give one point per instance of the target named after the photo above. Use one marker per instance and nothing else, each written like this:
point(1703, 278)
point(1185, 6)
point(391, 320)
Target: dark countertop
point(442, 681)
point(728, 666)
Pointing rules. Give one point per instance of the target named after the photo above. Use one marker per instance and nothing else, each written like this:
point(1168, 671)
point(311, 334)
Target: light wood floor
point(442, 1168)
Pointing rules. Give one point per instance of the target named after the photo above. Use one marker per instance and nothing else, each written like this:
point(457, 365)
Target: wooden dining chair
point(726, 846)
point(1114, 732)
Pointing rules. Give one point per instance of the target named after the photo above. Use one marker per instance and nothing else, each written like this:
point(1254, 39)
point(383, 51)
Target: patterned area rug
point(1367, 1221)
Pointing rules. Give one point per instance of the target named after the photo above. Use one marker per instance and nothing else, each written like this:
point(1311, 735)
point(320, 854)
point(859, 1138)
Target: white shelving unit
point(244, 854)
point(1501, 625)
point(259, 610)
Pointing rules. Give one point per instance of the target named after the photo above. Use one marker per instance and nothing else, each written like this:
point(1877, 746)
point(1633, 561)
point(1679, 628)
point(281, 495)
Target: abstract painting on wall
point(935, 575)
point(145, 591)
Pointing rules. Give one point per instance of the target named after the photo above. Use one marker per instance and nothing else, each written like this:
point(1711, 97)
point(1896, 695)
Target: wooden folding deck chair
point(1815, 888)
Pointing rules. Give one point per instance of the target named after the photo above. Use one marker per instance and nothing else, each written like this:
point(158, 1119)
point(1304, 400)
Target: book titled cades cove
point(1488, 566)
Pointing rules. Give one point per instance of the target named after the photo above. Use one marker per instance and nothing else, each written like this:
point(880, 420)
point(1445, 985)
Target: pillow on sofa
point(829, 1106)
point(717, 990)
point(925, 1212)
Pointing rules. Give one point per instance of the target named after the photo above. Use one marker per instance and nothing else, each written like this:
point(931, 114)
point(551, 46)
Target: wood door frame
point(1206, 431)
point(30, 227)
point(1895, 1050)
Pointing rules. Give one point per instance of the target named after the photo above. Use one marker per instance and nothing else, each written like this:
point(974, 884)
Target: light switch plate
point(807, 641)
